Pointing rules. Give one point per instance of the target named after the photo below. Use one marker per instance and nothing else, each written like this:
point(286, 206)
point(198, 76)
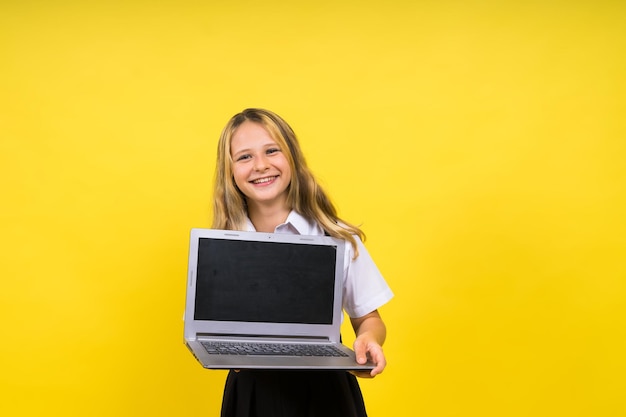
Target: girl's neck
point(267, 218)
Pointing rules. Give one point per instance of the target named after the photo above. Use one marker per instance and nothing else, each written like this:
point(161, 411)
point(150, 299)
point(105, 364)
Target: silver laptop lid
point(263, 284)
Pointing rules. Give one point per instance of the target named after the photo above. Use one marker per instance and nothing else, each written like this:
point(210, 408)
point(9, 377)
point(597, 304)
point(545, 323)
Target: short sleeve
point(365, 289)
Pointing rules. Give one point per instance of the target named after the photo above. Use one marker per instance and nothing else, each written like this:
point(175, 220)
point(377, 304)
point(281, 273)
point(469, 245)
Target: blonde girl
point(262, 183)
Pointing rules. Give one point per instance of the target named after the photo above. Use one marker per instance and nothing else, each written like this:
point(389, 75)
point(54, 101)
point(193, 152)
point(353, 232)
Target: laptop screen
point(254, 281)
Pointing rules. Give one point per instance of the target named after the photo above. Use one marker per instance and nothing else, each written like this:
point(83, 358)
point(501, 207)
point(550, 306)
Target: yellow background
point(480, 144)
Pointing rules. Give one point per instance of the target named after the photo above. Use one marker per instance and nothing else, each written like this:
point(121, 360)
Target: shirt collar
point(295, 223)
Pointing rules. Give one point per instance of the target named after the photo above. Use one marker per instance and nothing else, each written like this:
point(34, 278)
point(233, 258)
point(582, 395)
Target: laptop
point(266, 301)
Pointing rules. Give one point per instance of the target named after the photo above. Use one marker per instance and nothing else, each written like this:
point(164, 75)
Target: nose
point(261, 163)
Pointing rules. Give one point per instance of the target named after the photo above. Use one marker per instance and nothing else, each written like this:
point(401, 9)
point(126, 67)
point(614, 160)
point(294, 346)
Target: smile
point(264, 180)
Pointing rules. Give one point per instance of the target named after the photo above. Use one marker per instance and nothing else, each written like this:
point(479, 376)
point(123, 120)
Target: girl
point(263, 184)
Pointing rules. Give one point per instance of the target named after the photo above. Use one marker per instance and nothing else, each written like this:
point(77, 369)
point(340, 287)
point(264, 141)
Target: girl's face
point(260, 169)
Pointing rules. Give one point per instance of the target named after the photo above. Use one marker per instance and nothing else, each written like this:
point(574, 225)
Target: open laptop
point(266, 301)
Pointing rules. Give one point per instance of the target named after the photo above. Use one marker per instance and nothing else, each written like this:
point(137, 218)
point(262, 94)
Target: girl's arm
point(370, 333)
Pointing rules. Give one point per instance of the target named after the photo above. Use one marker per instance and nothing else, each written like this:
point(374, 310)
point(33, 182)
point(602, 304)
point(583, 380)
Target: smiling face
point(260, 169)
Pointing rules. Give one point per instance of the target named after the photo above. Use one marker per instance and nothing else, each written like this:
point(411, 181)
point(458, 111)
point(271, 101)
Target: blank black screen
point(264, 282)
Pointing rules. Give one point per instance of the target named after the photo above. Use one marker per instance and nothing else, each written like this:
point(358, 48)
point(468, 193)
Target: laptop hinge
point(268, 337)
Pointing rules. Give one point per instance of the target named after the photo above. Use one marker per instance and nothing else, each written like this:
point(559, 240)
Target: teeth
point(263, 180)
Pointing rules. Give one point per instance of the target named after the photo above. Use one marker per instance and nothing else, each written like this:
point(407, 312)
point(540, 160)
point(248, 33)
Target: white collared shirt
point(364, 288)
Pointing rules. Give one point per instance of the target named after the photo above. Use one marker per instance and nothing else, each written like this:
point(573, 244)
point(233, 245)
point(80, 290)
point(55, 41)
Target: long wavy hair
point(305, 196)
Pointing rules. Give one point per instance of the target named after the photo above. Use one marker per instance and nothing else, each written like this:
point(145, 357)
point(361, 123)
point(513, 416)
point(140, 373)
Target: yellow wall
point(481, 146)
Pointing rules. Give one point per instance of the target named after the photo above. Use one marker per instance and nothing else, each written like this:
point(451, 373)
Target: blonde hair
point(305, 196)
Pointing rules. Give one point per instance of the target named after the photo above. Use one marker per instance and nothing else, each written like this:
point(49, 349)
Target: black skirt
point(292, 394)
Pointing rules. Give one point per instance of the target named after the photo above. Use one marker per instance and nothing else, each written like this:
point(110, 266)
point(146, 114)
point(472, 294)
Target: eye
point(243, 157)
point(272, 150)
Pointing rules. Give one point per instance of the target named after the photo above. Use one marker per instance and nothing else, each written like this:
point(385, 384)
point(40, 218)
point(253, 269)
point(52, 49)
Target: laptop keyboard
point(270, 349)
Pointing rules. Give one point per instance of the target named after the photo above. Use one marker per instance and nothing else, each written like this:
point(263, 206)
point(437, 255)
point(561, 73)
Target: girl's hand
point(370, 333)
point(365, 349)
